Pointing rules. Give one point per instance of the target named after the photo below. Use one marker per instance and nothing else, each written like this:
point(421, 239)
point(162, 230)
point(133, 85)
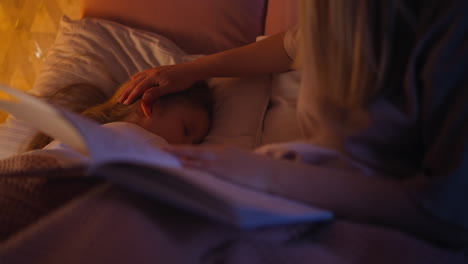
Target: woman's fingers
point(140, 88)
point(148, 99)
point(147, 109)
point(125, 93)
point(161, 80)
point(129, 95)
point(124, 96)
point(136, 76)
point(153, 93)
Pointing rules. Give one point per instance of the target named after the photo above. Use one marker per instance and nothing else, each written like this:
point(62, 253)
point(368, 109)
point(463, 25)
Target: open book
point(158, 175)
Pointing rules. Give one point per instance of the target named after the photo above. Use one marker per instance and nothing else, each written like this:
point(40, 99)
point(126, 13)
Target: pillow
point(240, 105)
point(102, 53)
point(280, 123)
point(281, 15)
point(106, 54)
point(198, 27)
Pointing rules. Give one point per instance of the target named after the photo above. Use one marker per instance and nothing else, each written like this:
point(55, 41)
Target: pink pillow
point(281, 15)
point(204, 26)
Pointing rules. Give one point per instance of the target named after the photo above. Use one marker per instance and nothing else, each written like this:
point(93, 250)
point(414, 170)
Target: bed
point(69, 221)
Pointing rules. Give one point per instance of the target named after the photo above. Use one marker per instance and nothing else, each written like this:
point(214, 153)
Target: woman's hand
point(234, 164)
point(156, 82)
point(265, 56)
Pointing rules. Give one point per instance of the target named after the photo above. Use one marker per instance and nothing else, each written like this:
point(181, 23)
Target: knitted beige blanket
point(31, 185)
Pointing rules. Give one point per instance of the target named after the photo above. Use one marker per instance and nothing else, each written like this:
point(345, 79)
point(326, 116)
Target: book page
point(107, 146)
point(211, 196)
point(43, 116)
point(83, 135)
point(255, 207)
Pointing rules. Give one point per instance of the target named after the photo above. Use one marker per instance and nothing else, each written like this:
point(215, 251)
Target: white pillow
point(102, 53)
point(240, 105)
point(106, 54)
point(280, 123)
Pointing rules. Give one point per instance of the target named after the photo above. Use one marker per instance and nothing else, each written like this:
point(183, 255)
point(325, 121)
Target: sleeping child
point(179, 118)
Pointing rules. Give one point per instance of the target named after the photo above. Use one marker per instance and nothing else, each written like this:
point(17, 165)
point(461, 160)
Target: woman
point(384, 82)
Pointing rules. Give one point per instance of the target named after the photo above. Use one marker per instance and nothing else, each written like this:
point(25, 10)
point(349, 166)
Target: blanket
point(51, 214)
point(32, 185)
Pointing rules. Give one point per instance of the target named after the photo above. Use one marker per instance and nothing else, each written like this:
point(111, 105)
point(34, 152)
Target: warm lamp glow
point(27, 30)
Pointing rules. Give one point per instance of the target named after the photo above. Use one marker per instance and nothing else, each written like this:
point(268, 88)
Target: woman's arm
point(349, 194)
point(371, 199)
point(265, 56)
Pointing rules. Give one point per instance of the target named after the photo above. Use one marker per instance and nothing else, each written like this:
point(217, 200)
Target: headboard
point(204, 26)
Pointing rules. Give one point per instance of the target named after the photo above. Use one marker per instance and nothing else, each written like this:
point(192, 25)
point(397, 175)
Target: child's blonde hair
point(90, 102)
point(76, 98)
point(110, 110)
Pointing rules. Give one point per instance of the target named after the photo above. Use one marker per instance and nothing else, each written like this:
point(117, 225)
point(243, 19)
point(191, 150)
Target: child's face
point(178, 124)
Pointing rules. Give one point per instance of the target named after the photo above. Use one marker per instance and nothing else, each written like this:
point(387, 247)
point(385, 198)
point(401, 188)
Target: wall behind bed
point(27, 30)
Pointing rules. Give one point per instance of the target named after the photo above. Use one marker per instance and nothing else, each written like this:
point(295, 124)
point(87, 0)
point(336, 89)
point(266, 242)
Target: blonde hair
point(339, 48)
point(76, 98)
point(111, 110)
point(90, 102)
